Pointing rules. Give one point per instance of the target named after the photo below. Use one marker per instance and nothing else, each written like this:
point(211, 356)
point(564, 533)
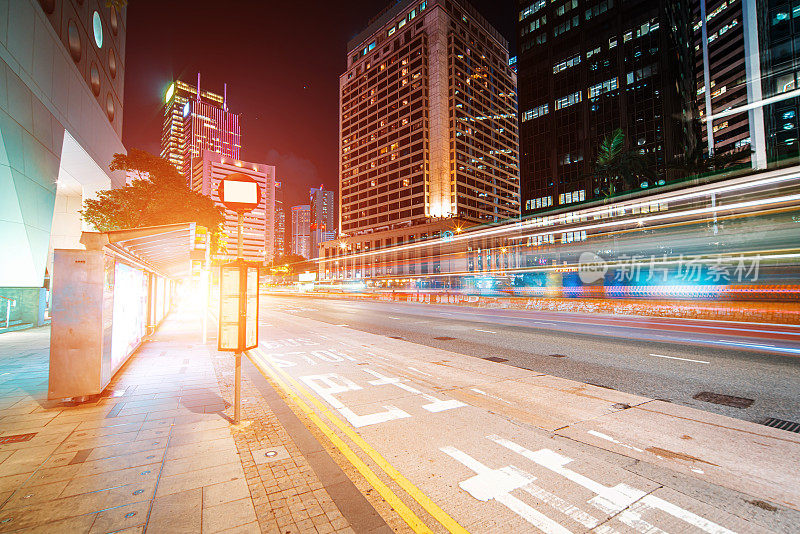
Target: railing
point(9, 304)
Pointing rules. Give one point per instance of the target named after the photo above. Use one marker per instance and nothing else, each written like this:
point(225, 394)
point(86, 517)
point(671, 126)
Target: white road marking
point(621, 499)
point(676, 358)
point(476, 390)
point(436, 405)
point(340, 324)
point(487, 331)
point(325, 386)
point(418, 371)
point(612, 440)
point(498, 484)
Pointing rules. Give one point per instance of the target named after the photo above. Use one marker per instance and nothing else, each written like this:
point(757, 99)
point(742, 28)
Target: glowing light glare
point(169, 93)
point(186, 109)
point(243, 192)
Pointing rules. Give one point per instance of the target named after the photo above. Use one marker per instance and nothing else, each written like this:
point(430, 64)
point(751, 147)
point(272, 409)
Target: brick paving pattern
point(155, 453)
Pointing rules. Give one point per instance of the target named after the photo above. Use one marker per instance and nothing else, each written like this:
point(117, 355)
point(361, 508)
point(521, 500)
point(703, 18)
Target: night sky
point(281, 61)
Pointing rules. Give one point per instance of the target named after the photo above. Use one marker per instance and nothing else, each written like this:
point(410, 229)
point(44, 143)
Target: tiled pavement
point(156, 453)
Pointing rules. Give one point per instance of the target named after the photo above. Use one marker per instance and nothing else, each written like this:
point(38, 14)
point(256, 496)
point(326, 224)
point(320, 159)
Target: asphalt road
point(671, 365)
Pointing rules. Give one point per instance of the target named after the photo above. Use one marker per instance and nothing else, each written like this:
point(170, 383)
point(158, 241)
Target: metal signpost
point(238, 283)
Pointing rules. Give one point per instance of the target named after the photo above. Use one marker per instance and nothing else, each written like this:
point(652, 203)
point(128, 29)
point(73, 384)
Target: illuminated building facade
point(193, 124)
point(588, 67)
point(778, 31)
point(322, 224)
point(428, 125)
point(62, 76)
point(280, 222)
point(258, 228)
point(301, 230)
point(722, 64)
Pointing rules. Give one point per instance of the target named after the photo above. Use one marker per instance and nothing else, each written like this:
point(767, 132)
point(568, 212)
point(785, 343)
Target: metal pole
point(8, 312)
point(237, 396)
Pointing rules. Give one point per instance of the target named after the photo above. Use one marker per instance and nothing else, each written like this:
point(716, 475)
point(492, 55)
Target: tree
point(619, 169)
point(290, 264)
point(157, 195)
point(696, 161)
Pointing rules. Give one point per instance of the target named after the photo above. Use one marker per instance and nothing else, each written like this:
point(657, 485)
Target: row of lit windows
point(535, 112)
point(572, 196)
point(537, 203)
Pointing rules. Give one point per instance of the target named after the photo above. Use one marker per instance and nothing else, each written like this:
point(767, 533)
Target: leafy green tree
point(158, 194)
point(619, 169)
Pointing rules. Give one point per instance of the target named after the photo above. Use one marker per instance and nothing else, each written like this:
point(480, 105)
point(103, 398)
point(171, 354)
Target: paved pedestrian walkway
point(156, 452)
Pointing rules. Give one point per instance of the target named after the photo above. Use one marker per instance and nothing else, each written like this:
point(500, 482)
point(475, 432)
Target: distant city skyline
point(288, 120)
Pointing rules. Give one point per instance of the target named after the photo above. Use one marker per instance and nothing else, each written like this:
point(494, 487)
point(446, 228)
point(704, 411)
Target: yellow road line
point(399, 506)
point(432, 508)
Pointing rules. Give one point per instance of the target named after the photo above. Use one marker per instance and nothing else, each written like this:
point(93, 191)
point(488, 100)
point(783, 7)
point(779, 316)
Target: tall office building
point(588, 67)
point(301, 230)
point(322, 226)
point(280, 222)
point(61, 110)
point(428, 125)
point(747, 52)
point(196, 120)
point(777, 27)
point(258, 225)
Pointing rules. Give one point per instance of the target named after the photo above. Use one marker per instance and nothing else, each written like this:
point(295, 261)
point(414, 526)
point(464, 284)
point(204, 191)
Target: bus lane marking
point(497, 484)
point(628, 502)
point(435, 405)
point(326, 386)
point(431, 507)
point(394, 501)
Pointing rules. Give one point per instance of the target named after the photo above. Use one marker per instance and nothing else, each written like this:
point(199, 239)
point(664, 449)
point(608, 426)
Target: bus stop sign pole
point(238, 322)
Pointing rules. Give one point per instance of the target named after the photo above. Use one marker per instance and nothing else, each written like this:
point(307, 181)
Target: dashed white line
point(418, 371)
point(487, 331)
point(676, 358)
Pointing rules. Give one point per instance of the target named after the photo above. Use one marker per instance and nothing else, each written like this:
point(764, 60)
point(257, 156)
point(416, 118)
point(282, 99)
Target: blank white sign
point(244, 192)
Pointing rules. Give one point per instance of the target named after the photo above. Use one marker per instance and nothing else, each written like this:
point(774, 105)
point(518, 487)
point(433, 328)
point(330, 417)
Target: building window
point(535, 112)
point(567, 63)
point(604, 87)
point(569, 100)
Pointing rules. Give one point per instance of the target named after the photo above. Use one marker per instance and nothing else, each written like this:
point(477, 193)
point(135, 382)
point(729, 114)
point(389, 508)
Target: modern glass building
point(779, 52)
point(301, 230)
point(62, 70)
point(280, 222)
point(588, 67)
point(428, 126)
point(323, 227)
point(196, 120)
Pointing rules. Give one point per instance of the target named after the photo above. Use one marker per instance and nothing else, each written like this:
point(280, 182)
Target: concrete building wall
point(46, 94)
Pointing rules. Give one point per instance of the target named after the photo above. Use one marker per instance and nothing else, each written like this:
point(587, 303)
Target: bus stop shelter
point(108, 297)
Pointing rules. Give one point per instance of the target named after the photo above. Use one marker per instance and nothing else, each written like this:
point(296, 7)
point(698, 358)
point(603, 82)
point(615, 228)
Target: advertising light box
point(238, 307)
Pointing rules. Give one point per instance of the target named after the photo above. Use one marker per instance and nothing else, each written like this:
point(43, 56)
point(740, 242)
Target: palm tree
point(695, 161)
point(619, 169)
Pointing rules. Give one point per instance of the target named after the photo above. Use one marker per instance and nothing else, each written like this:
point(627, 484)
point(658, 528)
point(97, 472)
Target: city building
point(720, 65)
point(258, 225)
point(196, 120)
point(746, 57)
point(322, 214)
point(428, 125)
point(62, 73)
point(280, 222)
point(776, 25)
point(588, 67)
point(301, 230)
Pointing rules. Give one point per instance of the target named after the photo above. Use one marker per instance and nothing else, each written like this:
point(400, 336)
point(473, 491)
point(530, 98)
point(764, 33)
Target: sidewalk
point(156, 453)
